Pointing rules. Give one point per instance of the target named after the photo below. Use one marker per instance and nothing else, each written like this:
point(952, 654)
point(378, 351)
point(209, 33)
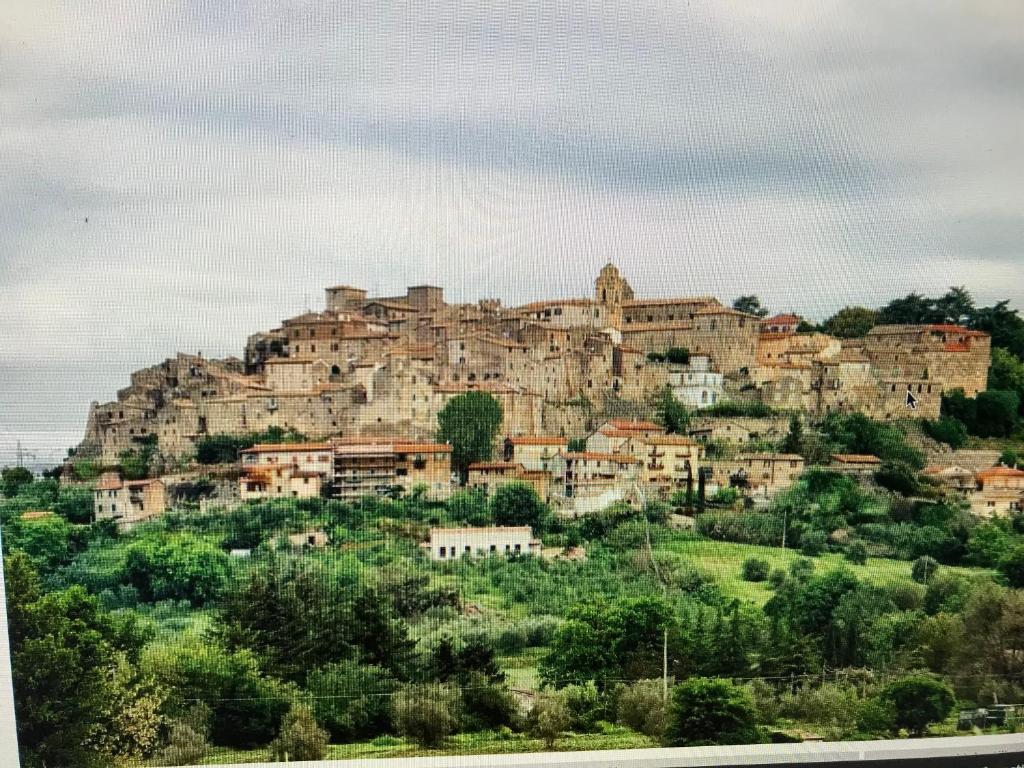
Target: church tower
point(610, 290)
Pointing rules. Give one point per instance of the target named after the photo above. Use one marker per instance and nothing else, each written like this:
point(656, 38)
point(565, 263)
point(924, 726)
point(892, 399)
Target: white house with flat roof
point(453, 543)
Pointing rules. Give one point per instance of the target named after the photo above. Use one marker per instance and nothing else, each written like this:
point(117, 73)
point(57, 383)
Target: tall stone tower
point(610, 290)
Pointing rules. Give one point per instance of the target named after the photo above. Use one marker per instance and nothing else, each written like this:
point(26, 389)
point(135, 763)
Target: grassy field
point(485, 743)
point(724, 561)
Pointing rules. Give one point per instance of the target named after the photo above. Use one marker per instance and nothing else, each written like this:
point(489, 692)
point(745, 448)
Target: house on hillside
point(128, 502)
point(482, 541)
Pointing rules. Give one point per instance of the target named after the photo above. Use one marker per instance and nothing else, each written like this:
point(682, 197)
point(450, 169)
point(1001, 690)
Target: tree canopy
point(469, 423)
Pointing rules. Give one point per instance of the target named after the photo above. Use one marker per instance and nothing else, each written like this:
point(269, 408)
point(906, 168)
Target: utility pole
point(784, 514)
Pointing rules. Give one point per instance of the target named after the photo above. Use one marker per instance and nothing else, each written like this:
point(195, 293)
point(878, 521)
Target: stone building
point(128, 502)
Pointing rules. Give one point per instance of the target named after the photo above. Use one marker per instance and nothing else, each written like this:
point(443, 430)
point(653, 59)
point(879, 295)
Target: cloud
point(177, 175)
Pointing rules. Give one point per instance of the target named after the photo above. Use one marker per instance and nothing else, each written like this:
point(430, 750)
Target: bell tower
point(610, 290)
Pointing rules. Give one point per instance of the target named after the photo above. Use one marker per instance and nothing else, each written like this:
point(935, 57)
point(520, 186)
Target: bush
point(707, 711)
point(813, 543)
point(1011, 566)
point(427, 714)
point(584, 706)
point(677, 355)
point(184, 746)
point(351, 700)
point(857, 553)
point(801, 569)
point(549, 718)
point(640, 707)
point(487, 705)
point(755, 569)
point(300, 737)
point(777, 578)
point(946, 430)
point(919, 700)
point(923, 569)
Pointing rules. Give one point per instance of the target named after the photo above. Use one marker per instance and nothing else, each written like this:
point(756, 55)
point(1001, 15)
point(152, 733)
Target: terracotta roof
point(489, 465)
point(725, 311)
point(422, 448)
point(616, 458)
point(287, 447)
point(628, 349)
point(855, 458)
point(784, 319)
point(668, 302)
point(399, 305)
point(538, 440)
point(950, 328)
point(535, 305)
point(772, 456)
point(988, 474)
point(668, 325)
point(669, 440)
point(635, 426)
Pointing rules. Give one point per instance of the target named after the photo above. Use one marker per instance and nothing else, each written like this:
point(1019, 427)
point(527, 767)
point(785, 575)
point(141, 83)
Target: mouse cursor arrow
point(911, 400)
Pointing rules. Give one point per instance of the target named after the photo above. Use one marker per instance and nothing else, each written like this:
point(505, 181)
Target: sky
point(177, 175)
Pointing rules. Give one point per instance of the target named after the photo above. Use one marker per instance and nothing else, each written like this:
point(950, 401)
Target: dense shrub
point(641, 707)
point(300, 737)
point(857, 552)
point(549, 718)
point(427, 714)
point(924, 569)
point(352, 700)
point(711, 711)
point(755, 569)
point(813, 543)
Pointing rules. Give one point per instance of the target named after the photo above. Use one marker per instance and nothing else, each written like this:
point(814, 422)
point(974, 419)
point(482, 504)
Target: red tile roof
point(988, 474)
point(855, 458)
point(538, 440)
point(287, 447)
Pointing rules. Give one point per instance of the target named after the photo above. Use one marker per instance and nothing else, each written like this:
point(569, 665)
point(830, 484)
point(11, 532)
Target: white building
point(697, 386)
point(453, 543)
point(285, 470)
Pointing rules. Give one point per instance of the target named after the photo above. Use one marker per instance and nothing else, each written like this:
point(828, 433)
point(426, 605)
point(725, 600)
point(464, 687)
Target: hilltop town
point(363, 381)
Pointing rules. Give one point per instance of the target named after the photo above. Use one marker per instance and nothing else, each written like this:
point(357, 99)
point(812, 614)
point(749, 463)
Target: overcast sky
point(177, 175)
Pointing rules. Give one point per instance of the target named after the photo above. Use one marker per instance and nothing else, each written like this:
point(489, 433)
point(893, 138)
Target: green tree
point(919, 700)
point(997, 413)
point(300, 737)
point(671, 413)
point(677, 355)
point(708, 711)
point(13, 479)
point(794, 440)
point(487, 704)
point(751, 305)
point(1011, 565)
point(183, 567)
point(246, 706)
point(1006, 372)
point(856, 553)
point(65, 653)
point(549, 718)
point(427, 714)
point(640, 707)
point(924, 569)
point(946, 430)
point(813, 543)
point(518, 504)
point(469, 423)
point(851, 322)
point(755, 569)
point(352, 700)
point(577, 445)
